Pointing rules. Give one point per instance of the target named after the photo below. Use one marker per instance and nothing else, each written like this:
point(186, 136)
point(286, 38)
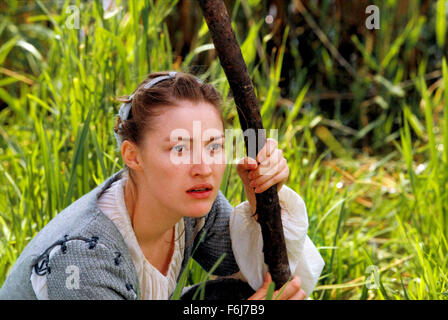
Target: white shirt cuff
point(247, 242)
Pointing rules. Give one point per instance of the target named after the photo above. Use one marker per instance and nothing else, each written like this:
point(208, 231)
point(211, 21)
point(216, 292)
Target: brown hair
point(146, 103)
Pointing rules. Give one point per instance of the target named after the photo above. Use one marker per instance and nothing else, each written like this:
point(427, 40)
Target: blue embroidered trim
point(41, 266)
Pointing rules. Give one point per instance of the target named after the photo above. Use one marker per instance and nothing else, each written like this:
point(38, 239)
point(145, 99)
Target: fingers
point(269, 165)
point(278, 179)
point(267, 150)
point(266, 161)
point(260, 294)
point(290, 291)
point(266, 281)
point(247, 163)
point(258, 179)
point(243, 168)
point(301, 295)
point(268, 169)
point(268, 154)
point(292, 288)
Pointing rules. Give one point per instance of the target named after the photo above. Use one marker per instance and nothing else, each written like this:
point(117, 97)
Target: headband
point(125, 108)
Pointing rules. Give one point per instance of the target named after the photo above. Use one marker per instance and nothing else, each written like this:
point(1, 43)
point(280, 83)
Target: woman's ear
point(131, 156)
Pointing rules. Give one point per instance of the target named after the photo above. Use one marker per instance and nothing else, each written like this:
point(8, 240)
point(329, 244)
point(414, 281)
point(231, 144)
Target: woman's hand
point(260, 174)
point(291, 290)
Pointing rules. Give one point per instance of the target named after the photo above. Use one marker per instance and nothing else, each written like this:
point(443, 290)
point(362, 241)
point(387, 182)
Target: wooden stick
point(268, 207)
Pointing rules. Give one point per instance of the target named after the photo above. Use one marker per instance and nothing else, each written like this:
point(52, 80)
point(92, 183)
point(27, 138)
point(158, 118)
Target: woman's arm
point(304, 259)
point(257, 175)
point(239, 235)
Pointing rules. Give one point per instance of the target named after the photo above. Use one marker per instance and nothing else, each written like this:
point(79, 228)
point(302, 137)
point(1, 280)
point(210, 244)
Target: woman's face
point(178, 154)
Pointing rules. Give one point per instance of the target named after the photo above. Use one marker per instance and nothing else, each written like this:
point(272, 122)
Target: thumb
point(247, 163)
point(260, 294)
point(266, 281)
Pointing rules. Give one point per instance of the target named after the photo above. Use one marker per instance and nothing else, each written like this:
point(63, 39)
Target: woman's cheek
point(219, 170)
point(175, 159)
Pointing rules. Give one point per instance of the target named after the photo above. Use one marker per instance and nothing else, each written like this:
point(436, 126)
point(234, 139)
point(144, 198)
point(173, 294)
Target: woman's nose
point(201, 167)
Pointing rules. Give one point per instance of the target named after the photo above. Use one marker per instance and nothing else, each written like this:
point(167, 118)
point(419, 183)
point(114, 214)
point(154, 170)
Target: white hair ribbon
point(125, 108)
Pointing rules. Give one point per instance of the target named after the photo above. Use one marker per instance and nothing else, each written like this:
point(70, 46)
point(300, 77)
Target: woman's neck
point(151, 223)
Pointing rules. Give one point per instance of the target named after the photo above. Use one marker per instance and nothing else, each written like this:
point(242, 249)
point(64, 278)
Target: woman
point(132, 236)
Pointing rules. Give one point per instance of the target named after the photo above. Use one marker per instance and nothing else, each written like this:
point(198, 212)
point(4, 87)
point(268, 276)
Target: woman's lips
point(200, 194)
point(200, 190)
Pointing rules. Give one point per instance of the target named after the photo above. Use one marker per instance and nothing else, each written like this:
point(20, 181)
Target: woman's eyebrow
point(216, 138)
point(191, 139)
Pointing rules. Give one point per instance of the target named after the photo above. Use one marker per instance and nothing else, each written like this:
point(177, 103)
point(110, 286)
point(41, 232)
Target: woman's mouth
point(200, 191)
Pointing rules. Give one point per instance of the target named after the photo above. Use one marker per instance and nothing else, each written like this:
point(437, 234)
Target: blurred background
point(359, 96)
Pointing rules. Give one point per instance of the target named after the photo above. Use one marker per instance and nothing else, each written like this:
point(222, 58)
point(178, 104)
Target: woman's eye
point(212, 147)
point(178, 148)
point(216, 146)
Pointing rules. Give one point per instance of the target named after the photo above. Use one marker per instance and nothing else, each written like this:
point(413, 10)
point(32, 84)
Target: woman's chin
point(198, 210)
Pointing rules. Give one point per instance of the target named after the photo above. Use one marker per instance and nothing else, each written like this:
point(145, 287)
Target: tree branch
point(268, 207)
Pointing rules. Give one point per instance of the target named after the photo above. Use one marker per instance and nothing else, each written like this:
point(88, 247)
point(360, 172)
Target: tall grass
point(385, 208)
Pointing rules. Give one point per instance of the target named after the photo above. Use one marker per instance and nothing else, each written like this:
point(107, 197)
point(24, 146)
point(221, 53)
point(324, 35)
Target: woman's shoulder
point(82, 218)
point(93, 253)
point(79, 235)
point(80, 267)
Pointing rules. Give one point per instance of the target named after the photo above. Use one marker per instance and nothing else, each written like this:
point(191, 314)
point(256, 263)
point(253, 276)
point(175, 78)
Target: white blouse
point(247, 244)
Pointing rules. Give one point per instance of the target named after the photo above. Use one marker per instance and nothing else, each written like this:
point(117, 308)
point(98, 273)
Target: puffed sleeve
point(247, 242)
point(82, 270)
